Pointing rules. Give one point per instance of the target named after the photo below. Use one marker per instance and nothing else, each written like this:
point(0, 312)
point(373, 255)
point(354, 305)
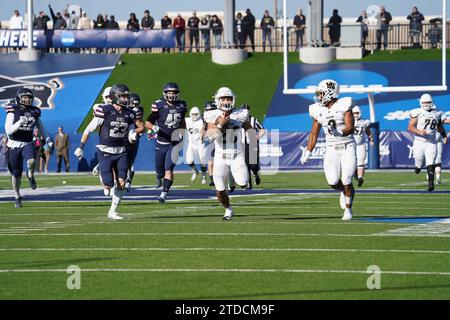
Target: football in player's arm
point(114, 121)
point(336, 118)
point(22, 116)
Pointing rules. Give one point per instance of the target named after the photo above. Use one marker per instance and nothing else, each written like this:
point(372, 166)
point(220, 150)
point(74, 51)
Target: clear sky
point(122, 8)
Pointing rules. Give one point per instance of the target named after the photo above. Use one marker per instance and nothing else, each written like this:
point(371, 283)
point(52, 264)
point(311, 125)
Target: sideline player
point(424, 123)
point(132, 148)
point(169, 112)
point(361, 127)
point(196, 147)
point(114, 121)
point(225, 127)
point(336, 117)
point(21, 119)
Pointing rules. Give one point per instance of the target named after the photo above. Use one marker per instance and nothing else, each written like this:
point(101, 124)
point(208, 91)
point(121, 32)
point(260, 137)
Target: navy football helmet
point(120, 95)
point(135, 100)
point(171, 92)
point(210, 105)
point(25, 97)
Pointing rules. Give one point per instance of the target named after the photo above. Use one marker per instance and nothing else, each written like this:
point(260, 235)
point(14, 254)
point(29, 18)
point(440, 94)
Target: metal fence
point(398, 38)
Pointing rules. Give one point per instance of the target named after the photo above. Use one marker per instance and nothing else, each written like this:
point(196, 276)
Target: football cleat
point(113, 215)
point(211, 184)
point(342, 201)
point(417, 170)
point(257, 179)
point(31, 180)
point(231, 189)
point(347, 215)
point(162, 197)
point(194, 175)
point(158, 183)
point(360, 181)
point(430, 185)
point(203, 181)
point(18, 203)
point(228, 214)
point(95, 171)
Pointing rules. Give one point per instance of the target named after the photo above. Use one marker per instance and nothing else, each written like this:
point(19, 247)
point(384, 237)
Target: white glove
point(50, 143)
point(132, 136)
point(155, 129)
point(79, 153)
point(305, 156)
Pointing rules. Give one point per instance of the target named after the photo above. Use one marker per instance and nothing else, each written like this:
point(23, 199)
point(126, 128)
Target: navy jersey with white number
point(169, 118)
point(115, 127)
point(25, 131)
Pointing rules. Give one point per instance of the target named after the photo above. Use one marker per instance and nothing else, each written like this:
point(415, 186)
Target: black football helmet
point(120, 95)
point(210, 105)
point(25, 97)
point(171, 91)
point(135, 100)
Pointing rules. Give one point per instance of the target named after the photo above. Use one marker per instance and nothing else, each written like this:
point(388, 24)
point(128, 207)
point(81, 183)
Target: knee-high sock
point(203, 170)
point(430, 172)
point(117, 195)
point(167, 184)
point(130, 174)
point(15, 181)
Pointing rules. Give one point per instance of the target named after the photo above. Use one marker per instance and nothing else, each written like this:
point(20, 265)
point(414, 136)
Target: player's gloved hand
point(79, 153)
point(335, 132)
point(22, 120)
point(155, 129)
point(305, 156)
point(132, 136)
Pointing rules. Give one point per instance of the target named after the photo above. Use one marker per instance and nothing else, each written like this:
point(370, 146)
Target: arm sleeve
point(10, 126)
point(94, 124)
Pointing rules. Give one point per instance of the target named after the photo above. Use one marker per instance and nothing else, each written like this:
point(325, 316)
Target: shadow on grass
point(63, 263)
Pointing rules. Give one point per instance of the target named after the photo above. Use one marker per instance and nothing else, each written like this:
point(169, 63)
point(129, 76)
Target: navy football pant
point(166, 157)
point(16, 157)
point(132, 150)
point(108, 163)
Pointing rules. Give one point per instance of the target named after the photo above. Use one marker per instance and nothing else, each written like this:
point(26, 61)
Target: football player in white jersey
point(440, 148)
point(196, 146)
point(424, 123)
point(336, 117)
point(361, 127)
point(225, 127)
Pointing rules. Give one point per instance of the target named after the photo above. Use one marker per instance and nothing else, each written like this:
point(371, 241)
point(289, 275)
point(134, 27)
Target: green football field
point(286, 241)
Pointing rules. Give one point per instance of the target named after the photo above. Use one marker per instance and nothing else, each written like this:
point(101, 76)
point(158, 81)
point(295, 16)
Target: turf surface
point(279, 246)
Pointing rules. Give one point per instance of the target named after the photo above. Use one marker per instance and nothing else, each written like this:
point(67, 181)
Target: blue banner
point(89, 38)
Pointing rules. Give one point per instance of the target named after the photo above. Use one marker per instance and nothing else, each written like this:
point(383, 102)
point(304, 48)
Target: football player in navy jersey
point(132, 148)
point(21, 119)
point(114, 120)
point(169, 112)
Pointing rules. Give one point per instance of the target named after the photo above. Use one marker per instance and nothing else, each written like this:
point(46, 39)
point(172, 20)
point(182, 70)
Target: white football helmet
point(356, 112)
point(105, 95)
point(326, 90)
point(224, 105)
point(426, 102)
point(194, 113)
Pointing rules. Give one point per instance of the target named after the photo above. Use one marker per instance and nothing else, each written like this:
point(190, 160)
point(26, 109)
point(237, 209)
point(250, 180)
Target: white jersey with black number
point(360, 127)
point(427, 120)
point(333, 117)
point(195, 130)
point(231, 143)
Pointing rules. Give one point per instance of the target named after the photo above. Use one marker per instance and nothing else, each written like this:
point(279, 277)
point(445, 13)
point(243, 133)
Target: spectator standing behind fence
point(334, 27)
point(363, 20)
point(133, 23)
point(248, 25)
point(415, 26)
point(383, 27)
point(239, 33)
point(62, 145)
point(193, 24)
point(299, 23)
point(180, 26)
point(40, 22)
point(59, 22)
point(16, 21)
point(435, 32)
point(267, 24)
point(216, 27)
point(84, 22)
point(73, 20)
point(99, 24)
point(147, 23)
point(166, 23)
point(204, 27)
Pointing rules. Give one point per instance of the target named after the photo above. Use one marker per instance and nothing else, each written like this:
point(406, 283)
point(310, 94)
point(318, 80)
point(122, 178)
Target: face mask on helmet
point(426, 102)
point(225, 99)
point(326, 91)
point(120, 95)
point(194, 113)
point(171, 95)
point(25, 98)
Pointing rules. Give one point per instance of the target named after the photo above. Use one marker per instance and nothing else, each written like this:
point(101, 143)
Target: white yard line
point(142, 270)
point(345, 250)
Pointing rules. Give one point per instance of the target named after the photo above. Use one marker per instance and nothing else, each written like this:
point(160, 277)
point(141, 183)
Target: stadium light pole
point(29, 54)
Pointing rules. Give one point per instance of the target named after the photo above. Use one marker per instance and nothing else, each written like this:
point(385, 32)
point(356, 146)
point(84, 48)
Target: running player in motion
point(169, 112)
point(132, 148)
point(106, 100)
point(196, 146)
point(440, 149)
point(114, 121)
point(21, 119)
point(225, 128)
point(336, 117)
point(361, 127)
point(424, 123)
